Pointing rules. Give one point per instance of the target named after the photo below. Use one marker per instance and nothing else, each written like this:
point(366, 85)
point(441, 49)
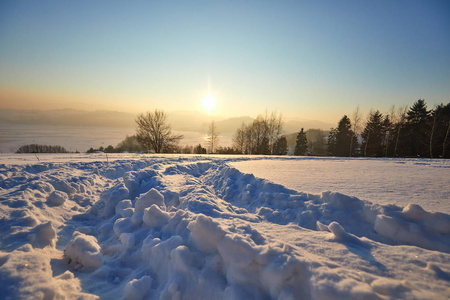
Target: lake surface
point(77, 138)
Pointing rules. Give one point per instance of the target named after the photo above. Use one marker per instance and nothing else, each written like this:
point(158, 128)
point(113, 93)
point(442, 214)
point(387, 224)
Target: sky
point(306, 59)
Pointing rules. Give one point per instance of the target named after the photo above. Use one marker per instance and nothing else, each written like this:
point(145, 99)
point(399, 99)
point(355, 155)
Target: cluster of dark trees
point(199, 149)
point(35, 148)
point(413, 132)
point(129, 144)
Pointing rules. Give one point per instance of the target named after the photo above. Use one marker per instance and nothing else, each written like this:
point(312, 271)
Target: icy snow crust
point(194, 227)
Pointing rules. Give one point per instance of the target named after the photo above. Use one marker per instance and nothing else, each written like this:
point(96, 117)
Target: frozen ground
point(202, 227)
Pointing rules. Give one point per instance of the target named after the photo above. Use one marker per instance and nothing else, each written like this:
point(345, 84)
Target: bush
point(35, 148)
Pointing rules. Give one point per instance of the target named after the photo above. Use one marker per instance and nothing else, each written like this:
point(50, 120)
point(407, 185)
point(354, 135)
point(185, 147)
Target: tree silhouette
point(280, 147)
point(301, 145)
point(418, 128)
point(154, 133)
point(340, 139)
point(373, 135)
point(212, 137)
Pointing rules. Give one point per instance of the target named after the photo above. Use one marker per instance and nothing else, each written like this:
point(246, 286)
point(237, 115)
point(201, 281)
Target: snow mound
point(415, 226)
point(57, 198)
point(148, 199)
point(43, 235)
point(136, 289)
point(83, 251)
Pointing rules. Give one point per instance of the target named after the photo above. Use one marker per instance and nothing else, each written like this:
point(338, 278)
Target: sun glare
point(209, 103)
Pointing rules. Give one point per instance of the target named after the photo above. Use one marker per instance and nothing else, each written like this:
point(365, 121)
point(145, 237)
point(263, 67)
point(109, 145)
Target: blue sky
point(307, 59)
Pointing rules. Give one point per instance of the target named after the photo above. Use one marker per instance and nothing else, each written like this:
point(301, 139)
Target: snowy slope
point(382, 181)
point(195, 227)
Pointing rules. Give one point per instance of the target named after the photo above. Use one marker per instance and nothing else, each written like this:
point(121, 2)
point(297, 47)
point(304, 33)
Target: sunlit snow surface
point(223, 227)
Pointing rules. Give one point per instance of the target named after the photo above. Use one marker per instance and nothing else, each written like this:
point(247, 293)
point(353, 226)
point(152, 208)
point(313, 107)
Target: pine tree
point(440, 130)
point(301, 144)
point(280, 147)
point(373, 135)
point(388, 136)
point(341, 138)
point(418, 129)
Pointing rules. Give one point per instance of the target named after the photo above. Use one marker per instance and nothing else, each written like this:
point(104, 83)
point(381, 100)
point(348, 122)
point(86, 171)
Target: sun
point(209, 102)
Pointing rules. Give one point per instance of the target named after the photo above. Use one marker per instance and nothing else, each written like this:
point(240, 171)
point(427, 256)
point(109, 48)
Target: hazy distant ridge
point(180, 121)
point(68, 117)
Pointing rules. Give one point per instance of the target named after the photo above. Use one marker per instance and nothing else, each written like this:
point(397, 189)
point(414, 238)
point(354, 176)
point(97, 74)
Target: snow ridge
point(197, 228)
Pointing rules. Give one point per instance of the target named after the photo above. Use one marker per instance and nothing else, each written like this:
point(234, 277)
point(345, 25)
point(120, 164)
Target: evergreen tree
point(301, 144)
point(388, 136)
point(418, 129)
point(199, 149)
point(372, 135)
point(440, 131)
point(109, 149)
point(331, 141)
point(316, 141)
point(280, 147)
point(341, 138)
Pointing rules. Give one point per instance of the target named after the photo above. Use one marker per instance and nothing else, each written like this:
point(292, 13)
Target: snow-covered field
point(223, 227)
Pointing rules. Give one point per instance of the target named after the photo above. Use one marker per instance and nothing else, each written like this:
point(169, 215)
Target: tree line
point(403, 132)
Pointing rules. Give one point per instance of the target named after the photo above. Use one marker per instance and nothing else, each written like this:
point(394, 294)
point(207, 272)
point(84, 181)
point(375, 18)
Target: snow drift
point(196, 228)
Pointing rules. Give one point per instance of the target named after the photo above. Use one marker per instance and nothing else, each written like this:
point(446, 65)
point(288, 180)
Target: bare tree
point(212, 137)
point(274, 128)
point(367, 131)
point(260, 136)
point(356, 126)
point(239, 139)
point(399, 119)
point(444, 145)
point(433, 126)
point(154, 133)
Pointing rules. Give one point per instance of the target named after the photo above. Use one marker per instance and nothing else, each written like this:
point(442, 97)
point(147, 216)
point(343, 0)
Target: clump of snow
point(155, 217)
point(125, 208)
point(148, 199)
point(123, 225)
point(43, 235)
point(137, 289)
point(83, 251)
point(111, 198)
point(403, 231)
point(205, 233)
point(57, 198)
point(438, 222)
point(27, 218)
point(127, 240)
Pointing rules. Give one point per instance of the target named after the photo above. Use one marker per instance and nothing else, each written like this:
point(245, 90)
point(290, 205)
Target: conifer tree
point(373, 135)
point(280, 147)
point(340, 139)
point(301, 144)
point(418, 129)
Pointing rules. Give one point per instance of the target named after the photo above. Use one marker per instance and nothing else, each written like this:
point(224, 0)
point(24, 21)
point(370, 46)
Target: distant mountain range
point(180, 120)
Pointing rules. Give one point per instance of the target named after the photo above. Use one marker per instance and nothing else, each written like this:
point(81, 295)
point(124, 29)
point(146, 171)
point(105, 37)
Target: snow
point(137, 226)
point(57, 198)
point(383, 181)
point(83, 251)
